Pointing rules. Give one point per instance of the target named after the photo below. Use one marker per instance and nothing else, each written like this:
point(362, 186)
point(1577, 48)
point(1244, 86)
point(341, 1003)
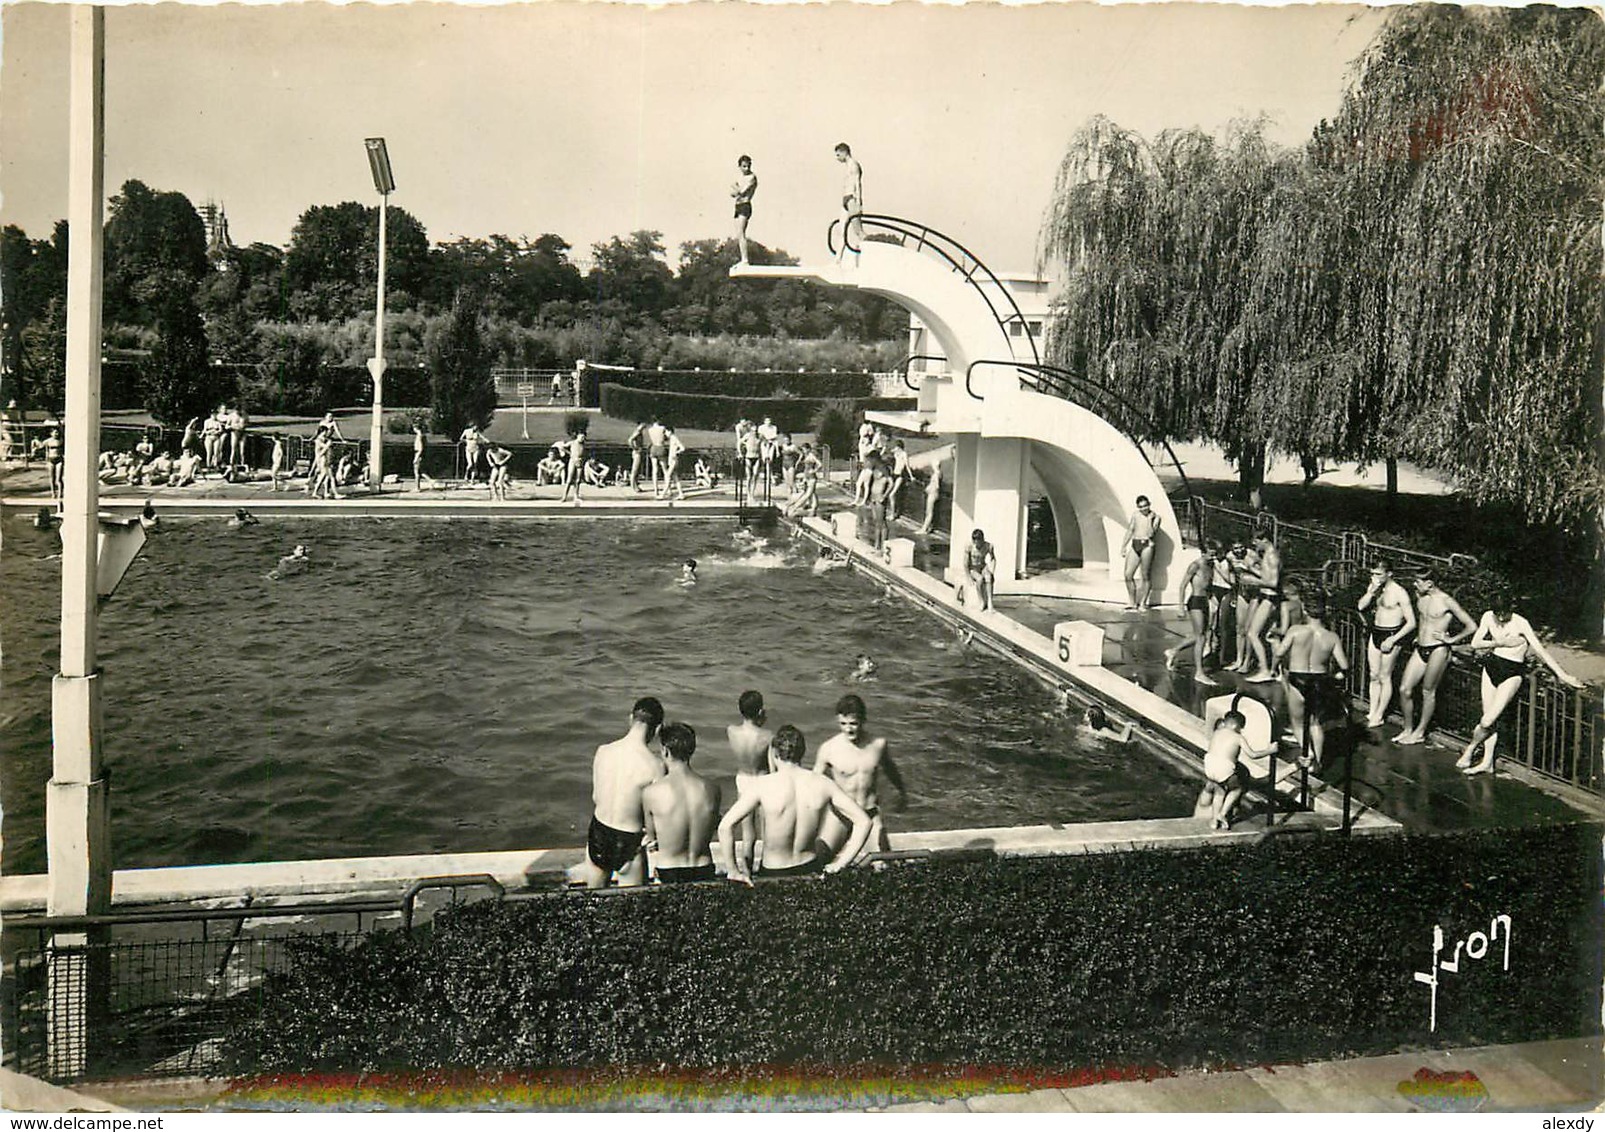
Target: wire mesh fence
point(108, 1003)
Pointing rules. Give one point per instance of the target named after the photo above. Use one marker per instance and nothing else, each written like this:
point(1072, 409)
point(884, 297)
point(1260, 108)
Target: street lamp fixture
point(385, 182)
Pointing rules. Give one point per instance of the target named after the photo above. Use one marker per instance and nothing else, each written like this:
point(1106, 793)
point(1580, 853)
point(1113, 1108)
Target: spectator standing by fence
point(1393, 619)
point(1504, 641)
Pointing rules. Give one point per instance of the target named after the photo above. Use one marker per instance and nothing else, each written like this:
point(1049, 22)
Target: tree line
point(1421, 280)
point(181, 307)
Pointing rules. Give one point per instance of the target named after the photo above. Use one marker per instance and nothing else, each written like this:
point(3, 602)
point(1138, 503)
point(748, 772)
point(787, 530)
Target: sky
point(592, 120)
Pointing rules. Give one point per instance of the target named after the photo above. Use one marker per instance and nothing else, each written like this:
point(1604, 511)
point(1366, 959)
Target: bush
point(719, 414)
point(833, 426)
point(1284, 950)
point(754, 384)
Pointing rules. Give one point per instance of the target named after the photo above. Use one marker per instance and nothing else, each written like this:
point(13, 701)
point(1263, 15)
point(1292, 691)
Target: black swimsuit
point(1500, 668)
point(815, 865)
point(611, 849)
point(685, 874)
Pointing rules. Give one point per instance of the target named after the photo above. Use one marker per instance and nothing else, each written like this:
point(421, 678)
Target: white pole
point(76, 833)
point(77, 829)
point(376, 364)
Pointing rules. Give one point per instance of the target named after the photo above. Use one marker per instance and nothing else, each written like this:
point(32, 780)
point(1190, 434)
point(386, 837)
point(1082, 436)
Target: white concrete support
point(966, 455)
point(76, 829)
point(1000, 498)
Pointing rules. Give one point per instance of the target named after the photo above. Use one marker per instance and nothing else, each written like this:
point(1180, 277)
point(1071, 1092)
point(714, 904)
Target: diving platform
point(1015, 434)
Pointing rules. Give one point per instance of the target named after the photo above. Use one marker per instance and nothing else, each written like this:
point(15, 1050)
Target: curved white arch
point(1006, 435)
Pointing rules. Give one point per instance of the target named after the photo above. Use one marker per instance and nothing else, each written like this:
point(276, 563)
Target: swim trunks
point(1500, 668)
point(743, 208)
point(1198, 602)
point(1138, 545)
point(1322, 696)
point(611, 849)
point(806, 868)
point(1425, 651)
point(660, 451)
point(686, 874)
point(1270, 594)
point(1380, 633)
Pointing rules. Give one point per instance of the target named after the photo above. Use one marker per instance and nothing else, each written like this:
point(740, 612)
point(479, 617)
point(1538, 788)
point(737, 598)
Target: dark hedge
point(720, 413)
point(1284, 950)
point(754, 383)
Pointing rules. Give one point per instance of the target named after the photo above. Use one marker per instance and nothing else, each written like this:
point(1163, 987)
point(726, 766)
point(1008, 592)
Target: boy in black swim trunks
point(681, 810)
point(746, 184)
point(1314, 663)
point(1429, 659)
point(620, 773)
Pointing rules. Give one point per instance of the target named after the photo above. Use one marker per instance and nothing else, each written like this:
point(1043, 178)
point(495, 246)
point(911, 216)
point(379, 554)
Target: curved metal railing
point(910, 360)
point(955, 254)
point(1053, 381)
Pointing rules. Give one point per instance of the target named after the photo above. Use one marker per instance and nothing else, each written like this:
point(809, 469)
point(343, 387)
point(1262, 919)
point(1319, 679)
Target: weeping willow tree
point(1422, 280)
point(1469, 145)
point(1158, 242)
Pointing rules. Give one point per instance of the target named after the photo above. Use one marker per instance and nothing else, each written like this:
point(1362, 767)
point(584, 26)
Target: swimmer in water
point(688, 572)
point(828, 560)
point(296, 562)
point(44, 519)
point(242, 518)
point(147, 515)
point(1098, 726)
point(865, 667)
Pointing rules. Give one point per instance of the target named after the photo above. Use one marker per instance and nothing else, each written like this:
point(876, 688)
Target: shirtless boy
point(1138, 549)
point(681, 810)
point(794, 804)
point(573, 475)
point(1392, 620)
point(1429, 659)
point(854, 760)
point(1315, 664)
point(620, 773)
point(852, 202)
point(1267, 605)
point(749, 743)
point(1223, 771)
point(746, 184)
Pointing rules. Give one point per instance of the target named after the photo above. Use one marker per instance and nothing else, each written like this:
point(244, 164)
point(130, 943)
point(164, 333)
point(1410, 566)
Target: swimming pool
point(440, 685)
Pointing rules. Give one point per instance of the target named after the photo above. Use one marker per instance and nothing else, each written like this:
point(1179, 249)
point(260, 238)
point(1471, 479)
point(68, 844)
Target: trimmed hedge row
point(754, 383)
point(1292, 949)
point(720, 413)
point(120, 388)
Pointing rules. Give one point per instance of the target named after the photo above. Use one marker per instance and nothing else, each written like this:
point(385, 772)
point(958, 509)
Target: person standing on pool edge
point(742, 191)
point(854, 760)
point(1392, 620)
point(1138, 549)
point(620, 773)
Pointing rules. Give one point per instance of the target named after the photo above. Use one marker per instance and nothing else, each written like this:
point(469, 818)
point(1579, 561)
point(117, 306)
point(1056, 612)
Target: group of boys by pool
point(654, 814)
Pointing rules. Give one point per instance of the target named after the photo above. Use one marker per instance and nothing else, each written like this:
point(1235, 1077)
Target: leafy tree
point(176, 380)
point(632, 274)
point(42, 375)
point(331, 266)
point(150, 236)
point(462, 391)
point(291, 376)
point(516, 277)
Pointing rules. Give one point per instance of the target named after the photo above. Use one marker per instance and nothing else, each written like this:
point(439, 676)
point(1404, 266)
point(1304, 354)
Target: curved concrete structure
point(1008, 438)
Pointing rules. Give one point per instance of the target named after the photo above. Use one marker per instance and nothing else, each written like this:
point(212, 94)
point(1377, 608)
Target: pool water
point(440, 686)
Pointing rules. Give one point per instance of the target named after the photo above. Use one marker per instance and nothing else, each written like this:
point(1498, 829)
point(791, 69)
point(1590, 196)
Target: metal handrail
point(1067, 376)
point(927, 237)
point(912, 358)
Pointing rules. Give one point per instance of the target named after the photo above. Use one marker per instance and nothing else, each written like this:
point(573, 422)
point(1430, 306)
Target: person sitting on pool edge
point(681, 811)
point(620, 772)
point(794, 803)
point(980, 568)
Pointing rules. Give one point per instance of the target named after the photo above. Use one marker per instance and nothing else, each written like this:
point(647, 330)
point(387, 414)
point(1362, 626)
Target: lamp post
point(385, 182)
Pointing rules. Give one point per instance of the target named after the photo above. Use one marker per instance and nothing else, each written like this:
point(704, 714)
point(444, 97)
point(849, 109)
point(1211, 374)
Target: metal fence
point(1552, 729)
point(137, 1006)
